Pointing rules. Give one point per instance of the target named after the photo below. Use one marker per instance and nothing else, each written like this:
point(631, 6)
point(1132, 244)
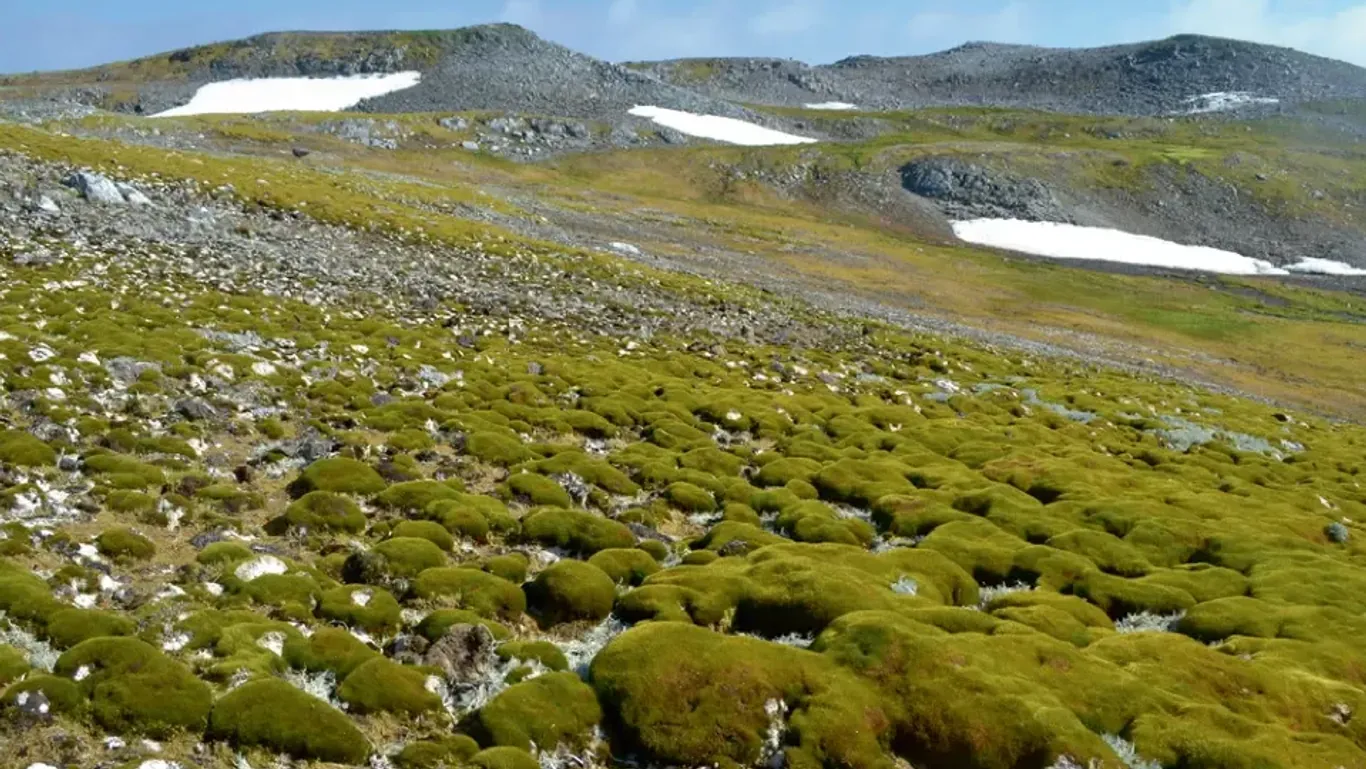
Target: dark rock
point(465, 654)
point(301, 152)
point(195, 409)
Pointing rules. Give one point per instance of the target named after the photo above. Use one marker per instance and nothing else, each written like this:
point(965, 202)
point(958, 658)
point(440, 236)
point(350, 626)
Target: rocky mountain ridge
point(507, 67)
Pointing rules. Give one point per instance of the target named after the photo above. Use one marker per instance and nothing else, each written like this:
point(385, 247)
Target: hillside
point(487, 425)
point(1150, 78)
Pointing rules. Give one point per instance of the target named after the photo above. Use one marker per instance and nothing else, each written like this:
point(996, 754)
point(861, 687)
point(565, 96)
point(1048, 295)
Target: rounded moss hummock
point(124, 543)
point(381, 685)
point(504, 758)
point(553, 709)
point(134, 688)
point(478, 591)
point(569, 591)
point(269, 713)
point(340, 475)
point(320, 511)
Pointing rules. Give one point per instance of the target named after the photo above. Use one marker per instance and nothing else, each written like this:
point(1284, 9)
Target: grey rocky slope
point(505, 67)
point(1147, 78)
point(489, 67)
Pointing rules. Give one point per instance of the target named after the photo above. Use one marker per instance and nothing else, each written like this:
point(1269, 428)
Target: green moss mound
point(339, 475)
point(544, 652)
point(72, 626)
point(125, 544)
point(13, 664)
point(539, 490)
point(642, 675)
point(553, 709)
point(480, 592)
point(328, 649)
point(625, 566)
point(576, 531)
point(504, 758)
point(446, 752)
point(134, 688)
point(372, 609)
point(435, 625)
point(431, 531)
point(275, 716)
point(24, 450)
point(570, 591)
point(321, 511)
point(381, 685)
point(416, 495)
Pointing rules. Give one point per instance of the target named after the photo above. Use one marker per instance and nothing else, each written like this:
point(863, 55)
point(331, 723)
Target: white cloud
point(786, 19)
point(1011, 23)
point(1338, 34)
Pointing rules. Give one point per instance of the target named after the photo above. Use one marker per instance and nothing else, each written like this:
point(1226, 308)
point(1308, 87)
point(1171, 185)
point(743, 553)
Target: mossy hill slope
point(297, 461)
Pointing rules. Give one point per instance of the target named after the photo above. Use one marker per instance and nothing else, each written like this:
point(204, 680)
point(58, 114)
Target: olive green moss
point(223, 553)
point(504, 758)
point(134, 688)
point(539, 490)
point(279, 718)
point(372, 609)
point(429, 530)
point(625, 566)
point(643, 674)
point(511, 567)
point(482, 593)
point(328, 649)
point(381, 685)
point(125, 544)
point(452, 751)
point(568, 591)
point(544, 652)
point(339, 475)
point(417, 495)
point(69, 627)
point(13, 664)
point(320, 511)
point(24, 450)
point(553, 709)
point(436, 624)
point(576, 531)
point(63, 695)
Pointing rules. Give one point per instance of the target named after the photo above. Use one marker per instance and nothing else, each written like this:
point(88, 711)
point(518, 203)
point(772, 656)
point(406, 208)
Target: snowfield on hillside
point(722, 129)
point(1070, 241)
point(280, 94)
point(1222, 101)
point(836, 105)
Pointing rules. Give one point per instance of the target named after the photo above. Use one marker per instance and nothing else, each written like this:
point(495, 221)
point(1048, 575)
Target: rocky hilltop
point(1150, 78)
point(506, 67)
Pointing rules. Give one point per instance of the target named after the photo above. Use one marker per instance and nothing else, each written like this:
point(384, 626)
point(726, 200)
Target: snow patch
point(1313, 265)
point(723, 129)
point(834, 105)
point(1225, 101)
point(281, 94)
point(1071, 241)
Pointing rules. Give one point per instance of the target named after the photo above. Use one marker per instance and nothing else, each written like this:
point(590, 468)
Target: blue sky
point(78, 33)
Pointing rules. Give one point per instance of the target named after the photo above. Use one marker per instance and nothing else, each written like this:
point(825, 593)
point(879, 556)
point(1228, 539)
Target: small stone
point(301, 152)
point(471, 146)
